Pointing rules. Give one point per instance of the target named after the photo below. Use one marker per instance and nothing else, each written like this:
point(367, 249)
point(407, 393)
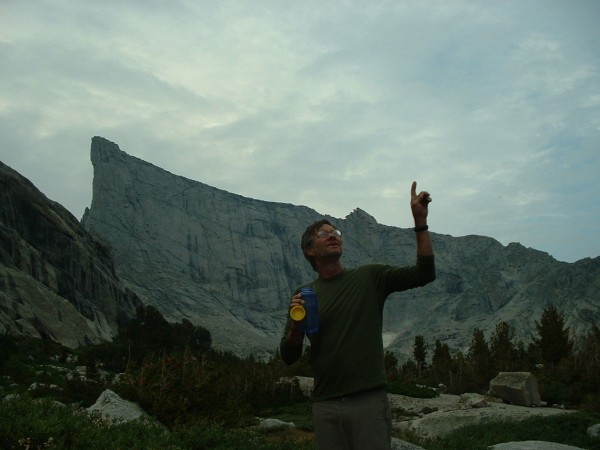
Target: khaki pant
point(361, 421)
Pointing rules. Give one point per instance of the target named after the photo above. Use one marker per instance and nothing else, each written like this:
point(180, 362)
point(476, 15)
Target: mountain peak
point(358, 215)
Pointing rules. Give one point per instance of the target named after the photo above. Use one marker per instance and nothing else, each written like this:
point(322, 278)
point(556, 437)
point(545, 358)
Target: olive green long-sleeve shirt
point(347, 353)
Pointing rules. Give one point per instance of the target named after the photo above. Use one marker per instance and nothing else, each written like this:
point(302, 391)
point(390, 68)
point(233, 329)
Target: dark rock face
point(230, 263)
point(57, 281)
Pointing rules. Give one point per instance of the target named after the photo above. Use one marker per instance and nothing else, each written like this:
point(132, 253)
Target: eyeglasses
point(324, 233)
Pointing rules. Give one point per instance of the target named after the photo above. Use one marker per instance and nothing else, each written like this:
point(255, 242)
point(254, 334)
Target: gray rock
point(517, 388)
point(451, 413)
point(230, 263)
point(52, 403)
point(113, 408)
point(270, 424)
point(398, 444)
point(471, 400)
point(594, 431)
point(532, 445)
point(306, 385)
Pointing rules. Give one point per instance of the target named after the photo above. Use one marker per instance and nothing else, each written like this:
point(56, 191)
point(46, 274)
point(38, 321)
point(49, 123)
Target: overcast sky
point(491, 106)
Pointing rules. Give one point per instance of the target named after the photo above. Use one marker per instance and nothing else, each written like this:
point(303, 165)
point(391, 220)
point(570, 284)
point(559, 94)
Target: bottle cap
point(297, 313)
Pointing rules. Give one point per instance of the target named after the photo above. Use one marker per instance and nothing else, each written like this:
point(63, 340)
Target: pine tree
point(553, 341)
point(391, 365)
point(441, 362)
point(479, 357)
point(590, 370)
point(420, 353)
point(502, 349)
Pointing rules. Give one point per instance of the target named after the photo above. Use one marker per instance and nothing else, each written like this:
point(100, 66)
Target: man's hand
point(419, 205)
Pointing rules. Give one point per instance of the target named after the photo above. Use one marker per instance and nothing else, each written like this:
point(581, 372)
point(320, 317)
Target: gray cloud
point(492, 107)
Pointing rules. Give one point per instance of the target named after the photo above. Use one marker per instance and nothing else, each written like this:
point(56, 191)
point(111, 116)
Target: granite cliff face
point(56, 280)
point(222, 261)
point(230, 263)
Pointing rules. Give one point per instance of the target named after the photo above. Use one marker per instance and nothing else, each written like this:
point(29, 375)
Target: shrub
point(40, 425)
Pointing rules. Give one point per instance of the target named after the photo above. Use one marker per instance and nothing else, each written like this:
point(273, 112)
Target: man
point(351, 409)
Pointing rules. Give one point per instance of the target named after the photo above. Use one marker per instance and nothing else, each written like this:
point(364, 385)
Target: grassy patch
point(25, 423)
point(72, 377)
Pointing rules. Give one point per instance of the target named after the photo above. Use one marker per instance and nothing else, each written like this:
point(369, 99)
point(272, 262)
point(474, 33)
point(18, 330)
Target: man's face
point(326, 243)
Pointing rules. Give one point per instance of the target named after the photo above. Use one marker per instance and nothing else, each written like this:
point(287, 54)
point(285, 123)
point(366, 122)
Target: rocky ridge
point(57, 281)
point(230, 263)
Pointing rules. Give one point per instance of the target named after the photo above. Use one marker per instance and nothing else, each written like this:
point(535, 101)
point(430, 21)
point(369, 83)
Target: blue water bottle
point(310, 324)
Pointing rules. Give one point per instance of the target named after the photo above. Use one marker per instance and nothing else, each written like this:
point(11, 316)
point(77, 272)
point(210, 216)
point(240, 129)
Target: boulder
point(594, 431)
point(450, 412)
point(516, 388)
point(472, 400)
point(306, 385)
point(398, 444)
point(113, 408)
